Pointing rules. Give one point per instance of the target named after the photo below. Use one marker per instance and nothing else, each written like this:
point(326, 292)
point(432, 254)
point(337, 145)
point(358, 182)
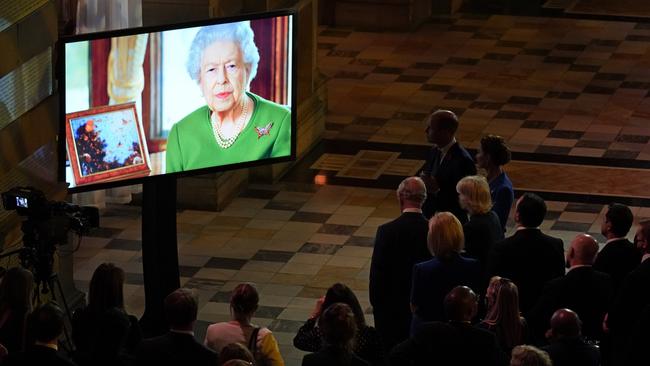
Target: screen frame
point(60, 67)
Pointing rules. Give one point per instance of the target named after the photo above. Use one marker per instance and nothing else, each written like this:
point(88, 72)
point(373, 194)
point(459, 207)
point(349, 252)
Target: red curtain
point(271, 40)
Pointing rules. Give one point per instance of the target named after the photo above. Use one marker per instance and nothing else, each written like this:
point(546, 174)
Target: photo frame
point(106, 143)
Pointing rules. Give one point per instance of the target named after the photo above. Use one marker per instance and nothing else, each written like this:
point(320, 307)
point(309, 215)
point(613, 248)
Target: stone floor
point(570, 96)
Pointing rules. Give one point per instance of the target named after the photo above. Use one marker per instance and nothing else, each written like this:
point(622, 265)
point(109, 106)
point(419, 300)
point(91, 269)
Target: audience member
point(366, 343)
point(529, 258)
point(525, 355)
point(433, 279)
point(237, 363)
point(586, 291)
point(447, 163)
point(259, 340)
point(503, 317)
point(483, 228)
point(338, 326)
point(618, 257)
point(46, 323)
point(566, 345)
point(15, 304)
point(492, 155)
point(633, 298)
point(399, 245)
point(108, 348)
point(105, 292)
point(236, 351)
point(178, 346)
point(455, 342)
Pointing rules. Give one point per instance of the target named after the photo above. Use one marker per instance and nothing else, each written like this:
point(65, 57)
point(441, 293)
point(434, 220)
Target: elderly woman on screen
point(235, 125)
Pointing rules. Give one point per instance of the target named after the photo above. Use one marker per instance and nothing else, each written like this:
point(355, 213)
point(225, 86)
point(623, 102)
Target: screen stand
point(159, 251)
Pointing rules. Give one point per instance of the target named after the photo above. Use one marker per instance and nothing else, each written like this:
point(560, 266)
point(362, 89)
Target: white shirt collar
point(578, 266)
point(645, 256)
point(446, 148)
point(182, 331)
point(615, 239)
point(413, 209)
point(526, 228)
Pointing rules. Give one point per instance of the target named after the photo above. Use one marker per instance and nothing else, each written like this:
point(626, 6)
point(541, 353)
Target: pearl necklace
point(222, 141)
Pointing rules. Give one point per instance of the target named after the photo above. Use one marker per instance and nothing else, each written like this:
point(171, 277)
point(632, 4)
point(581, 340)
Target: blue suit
point(432, 281)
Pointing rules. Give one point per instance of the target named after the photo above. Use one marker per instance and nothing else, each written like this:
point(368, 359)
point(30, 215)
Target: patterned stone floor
point(560, 90)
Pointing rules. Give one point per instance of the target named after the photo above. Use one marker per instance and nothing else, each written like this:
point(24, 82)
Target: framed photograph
point(106, 143)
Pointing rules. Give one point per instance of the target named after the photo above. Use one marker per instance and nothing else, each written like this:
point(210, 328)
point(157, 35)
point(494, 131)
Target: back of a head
point(46, 322)
point(181, 308)
point(343, 294)
point(338, 325)
point(412, 190)
point(584, 248)
point(620, 217)
point(529, 356)
point(504, 310)
point(16, 289)
point(475, 195)
point(447, 120)
point(531, 209)
point(445, 238)
point(235, 351)
point(106, 288)
point(461, 304)
point(565, 323)
point(244, 299)
point(496, 148)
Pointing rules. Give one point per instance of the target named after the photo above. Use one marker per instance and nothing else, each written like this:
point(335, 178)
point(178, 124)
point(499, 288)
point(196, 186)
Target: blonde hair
point(474, 194)
point(529, 356)
point(445, 235)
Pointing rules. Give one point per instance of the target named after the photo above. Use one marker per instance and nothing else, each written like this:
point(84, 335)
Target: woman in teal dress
point(235, 125)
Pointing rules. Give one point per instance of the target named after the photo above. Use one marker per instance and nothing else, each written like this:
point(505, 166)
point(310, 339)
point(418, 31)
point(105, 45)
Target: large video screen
point(182, 99)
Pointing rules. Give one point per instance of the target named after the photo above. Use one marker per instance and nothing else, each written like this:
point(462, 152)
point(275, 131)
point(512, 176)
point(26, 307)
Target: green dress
point(192, 145)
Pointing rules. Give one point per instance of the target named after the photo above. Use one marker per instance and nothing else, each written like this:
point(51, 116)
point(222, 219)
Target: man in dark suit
point(567, 347)
point(47, 324)
point(586, 291)
point(455, 342)
point(178, 346)
point(633, 299)
point(529, 258)
point(448, 163)
point(618, 257)
point(399, 245)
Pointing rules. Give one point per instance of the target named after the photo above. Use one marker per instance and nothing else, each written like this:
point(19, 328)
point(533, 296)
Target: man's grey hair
point(412, 189)
point(239, 32)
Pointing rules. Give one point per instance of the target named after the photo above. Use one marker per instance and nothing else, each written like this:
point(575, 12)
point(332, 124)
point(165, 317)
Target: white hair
point(239, 32)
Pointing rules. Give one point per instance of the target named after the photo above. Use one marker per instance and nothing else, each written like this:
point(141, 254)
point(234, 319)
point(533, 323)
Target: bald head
point(441, 127)
point(411, 192)
point(461, 304)
point(583, 250)
point(565, 323)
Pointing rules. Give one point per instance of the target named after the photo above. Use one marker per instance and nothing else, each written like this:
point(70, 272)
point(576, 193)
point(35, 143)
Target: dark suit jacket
point(399, 245)
point(174, 348)
point(530, 259)
point(432, 281)
point(584, 290)
point(629, 306)
point(37, 355)
point(332, 356)
point(573, 352)
point(449, 343)
point(456, 164)
point(481, 233)
point(618, 258)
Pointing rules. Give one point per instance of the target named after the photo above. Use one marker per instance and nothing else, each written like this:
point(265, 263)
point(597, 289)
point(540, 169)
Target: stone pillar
point(381, 15)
